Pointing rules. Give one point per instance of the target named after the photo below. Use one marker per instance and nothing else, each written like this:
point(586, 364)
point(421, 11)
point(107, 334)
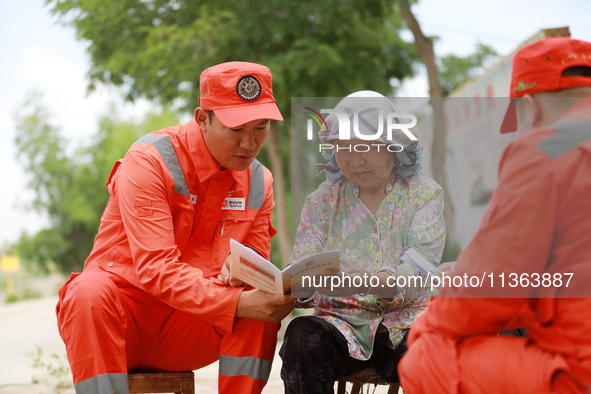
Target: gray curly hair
point(370, 107)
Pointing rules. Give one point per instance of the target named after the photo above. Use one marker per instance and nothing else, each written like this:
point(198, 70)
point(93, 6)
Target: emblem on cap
point(521, 86)
point(248, 88)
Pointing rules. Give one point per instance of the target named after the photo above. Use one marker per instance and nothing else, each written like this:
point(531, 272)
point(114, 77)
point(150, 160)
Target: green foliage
point(57, 369)
point(455, 70)
point(26, 294)
point(11, 298)
point(69, 184)
point(158, 48)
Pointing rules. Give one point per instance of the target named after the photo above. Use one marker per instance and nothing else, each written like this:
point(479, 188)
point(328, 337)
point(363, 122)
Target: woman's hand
point(446, 268)
point(345, 283)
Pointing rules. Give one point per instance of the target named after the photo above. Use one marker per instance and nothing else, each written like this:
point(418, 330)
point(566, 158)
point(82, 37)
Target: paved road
point(24, 325)
point(27, 324)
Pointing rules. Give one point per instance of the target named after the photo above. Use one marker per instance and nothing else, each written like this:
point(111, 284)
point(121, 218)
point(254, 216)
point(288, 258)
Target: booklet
point(249, 267)
point(413, 257)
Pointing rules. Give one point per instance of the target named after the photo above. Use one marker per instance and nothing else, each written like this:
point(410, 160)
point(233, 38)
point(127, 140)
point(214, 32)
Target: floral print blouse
point(411, 216)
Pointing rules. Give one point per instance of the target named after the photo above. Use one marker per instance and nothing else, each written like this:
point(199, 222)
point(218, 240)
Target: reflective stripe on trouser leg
point(246, 356)
point(252, 367)
point(102, 384)
point(91, 321)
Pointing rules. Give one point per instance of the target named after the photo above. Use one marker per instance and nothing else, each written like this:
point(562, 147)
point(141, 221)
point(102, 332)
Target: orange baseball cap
point(238, 93)
point(538, 67)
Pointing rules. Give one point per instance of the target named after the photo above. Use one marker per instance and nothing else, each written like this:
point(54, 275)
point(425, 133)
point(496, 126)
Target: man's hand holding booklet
point(247, 266)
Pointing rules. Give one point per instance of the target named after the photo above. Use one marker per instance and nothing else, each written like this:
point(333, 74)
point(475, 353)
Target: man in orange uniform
point(536, 232)
point(149, 297)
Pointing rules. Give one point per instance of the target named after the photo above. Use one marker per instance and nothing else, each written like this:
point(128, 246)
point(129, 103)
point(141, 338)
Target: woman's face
point(368, 164)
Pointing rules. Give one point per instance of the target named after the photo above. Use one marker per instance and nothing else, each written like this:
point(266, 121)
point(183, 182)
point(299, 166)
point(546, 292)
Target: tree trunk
point(273, 147)
point(424, 47)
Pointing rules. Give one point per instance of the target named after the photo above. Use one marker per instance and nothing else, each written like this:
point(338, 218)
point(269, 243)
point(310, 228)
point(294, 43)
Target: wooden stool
point(359, 382)
point(162, 382)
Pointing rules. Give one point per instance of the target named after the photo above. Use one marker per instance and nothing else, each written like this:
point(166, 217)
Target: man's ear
point(202, 119)
point(532, 111)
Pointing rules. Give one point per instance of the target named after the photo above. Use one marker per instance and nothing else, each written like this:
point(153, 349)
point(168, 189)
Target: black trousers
point(315, 354)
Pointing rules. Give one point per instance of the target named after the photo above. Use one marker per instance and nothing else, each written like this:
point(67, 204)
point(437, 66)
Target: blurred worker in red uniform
point(537, 227)
point(149, 297)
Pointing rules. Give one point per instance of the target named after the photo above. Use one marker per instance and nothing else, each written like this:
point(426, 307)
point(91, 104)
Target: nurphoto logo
point(391, 122)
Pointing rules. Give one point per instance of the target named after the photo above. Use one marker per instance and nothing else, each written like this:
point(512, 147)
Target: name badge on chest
point(234, 204)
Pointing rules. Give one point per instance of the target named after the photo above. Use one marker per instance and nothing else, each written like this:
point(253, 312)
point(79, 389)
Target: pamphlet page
point(249, 267)
point(414, 258)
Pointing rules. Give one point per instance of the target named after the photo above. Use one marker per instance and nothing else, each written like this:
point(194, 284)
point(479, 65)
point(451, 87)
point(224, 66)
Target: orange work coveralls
point(149, 297)
point(538, 221)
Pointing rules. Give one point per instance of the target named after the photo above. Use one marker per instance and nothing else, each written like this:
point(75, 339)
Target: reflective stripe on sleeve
point(256, 193)
point(252, 367)
point(102, 384)
point(164, 146)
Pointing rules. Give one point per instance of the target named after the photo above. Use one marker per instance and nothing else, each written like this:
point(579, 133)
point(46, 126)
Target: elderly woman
point(373, 207)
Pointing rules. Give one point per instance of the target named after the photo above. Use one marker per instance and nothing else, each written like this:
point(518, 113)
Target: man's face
point(233, 148)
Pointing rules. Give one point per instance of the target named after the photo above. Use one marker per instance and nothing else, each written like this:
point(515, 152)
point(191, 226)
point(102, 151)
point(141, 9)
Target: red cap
point(538, 67)
point(238, 93)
